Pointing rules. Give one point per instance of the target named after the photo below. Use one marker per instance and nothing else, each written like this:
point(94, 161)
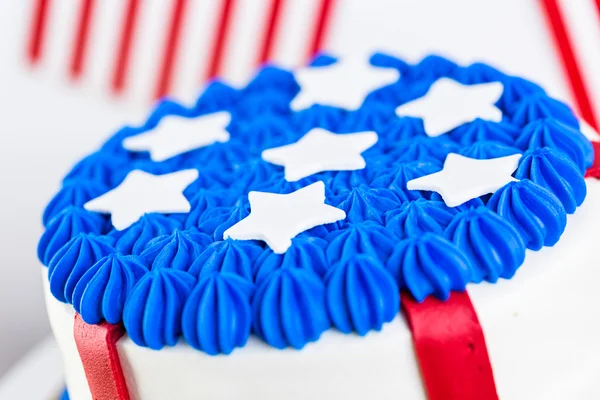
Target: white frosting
point(541, 330)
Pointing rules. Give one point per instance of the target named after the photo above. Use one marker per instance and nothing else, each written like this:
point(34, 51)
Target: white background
point(48, 123)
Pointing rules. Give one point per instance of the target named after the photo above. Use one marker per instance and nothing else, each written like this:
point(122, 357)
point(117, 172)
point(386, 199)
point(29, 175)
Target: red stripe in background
point(598, 7)
point(81, 38)
point(450, 348)
point(171, 47)
point(320, 28)
point(97, 347)
point(570, 65)
point(220, 39)
point(38, 29)
point(124, 50)
point(268, 40)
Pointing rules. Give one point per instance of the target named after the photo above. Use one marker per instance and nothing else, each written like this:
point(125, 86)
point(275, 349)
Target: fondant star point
point(142, 193)
point(344, 84)
point(277, 218)
point(464, 178)
point(449, 104)
point(321, 150)
point(176, 135)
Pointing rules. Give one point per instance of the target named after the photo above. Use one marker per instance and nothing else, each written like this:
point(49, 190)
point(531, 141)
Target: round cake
point(362, 228)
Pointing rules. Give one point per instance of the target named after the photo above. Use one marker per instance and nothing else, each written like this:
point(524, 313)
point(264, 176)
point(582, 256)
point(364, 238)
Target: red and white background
point(86, 66)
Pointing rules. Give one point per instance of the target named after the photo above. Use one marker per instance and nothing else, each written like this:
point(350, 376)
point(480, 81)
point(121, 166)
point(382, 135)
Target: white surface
point(463, 178)
point(141, 193)
point(541, 329)
point(344, 84)
point(320, 150)
point(175, 135)
point(277, 218)
point(449, 104)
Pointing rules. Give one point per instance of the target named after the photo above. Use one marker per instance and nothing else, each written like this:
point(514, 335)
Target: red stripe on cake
point(124, 48)
point(82, 35)
point(594, 170)
point(171, 47)
point(38, 30)
point(97, 346)
point(268, 41)
point(320, 28)
point(564, 45)
point(450, 348)
point(220, 39)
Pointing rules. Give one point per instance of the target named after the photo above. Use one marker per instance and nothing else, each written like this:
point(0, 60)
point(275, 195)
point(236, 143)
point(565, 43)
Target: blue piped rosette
point(168, 277)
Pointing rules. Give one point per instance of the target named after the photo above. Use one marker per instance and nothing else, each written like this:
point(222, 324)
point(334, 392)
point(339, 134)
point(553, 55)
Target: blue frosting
point(395, 179)
point(345, 181)
point(305, 252)
point(361, 295)
point(554, 171)
point(418, 217)
point(556, 135)
point(202, 200)
point(493, 245)
point(400, 130)
point(228, 256)
point(217, 315)
point(152, 314)
point(266, 131)
point(134, 239)
point(365, 204)
point(365, 238)
point(67, 224)
point(73, 260)
point(288, 308)
point(488, 149)
point(100, 167)
point(539, 106)
point(429, 264)
point(217, 220)
point(515, 90)
point(318, 116)
point(480, 130)
point(217, 96)
point(178, 250)
point(479, 73)
point(421, 148)
point(101, 292)
point(536, 213)
point(75, 192)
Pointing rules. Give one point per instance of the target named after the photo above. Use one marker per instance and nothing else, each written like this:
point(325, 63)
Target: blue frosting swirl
point(73, 260)
point(134, 239)
point(288, 308)
point(494, 246)
point(487, 150)
point(515, 90)
point(395, 179)
point(318, 116)
point(556, 135)
point(400, 130)
point(554, 171)
point(365, 204)
point(222, 157)
point(103, 167)
point(420, 216)
point(344, 181)
point(217, 96)
point(217, 220)
point(536, 213)
point(177, 251)
point(383, 60)
point(152, 313)
point(227, 256)
point(203, 200)
point(370, 117)
point(266, 131)
point(361, 295)
point(365, 238)
point(539, 106)
point(66, 225)
point(217, 315)
point(481, 130)
point(305, 252)
point(101, 292)
point(421, 148)
point(429, 264)
point(431, 68)
point(477, 73)
point(73, 193)
point(254, 174)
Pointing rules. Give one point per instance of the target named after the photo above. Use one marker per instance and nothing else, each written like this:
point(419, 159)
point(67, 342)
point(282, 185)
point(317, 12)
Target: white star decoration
point(175, 135)
point(464, 178)
point(449, 104)
point(277, 218)
point(344, 84)
point(320, 150)
point(142, 193)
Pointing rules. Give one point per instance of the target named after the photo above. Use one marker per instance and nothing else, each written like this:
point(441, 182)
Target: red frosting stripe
point(594, 170)
point(450, 348)
point(97, 346)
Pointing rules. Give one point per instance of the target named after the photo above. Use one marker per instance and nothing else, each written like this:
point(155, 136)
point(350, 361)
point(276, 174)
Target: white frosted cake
point(356, 229)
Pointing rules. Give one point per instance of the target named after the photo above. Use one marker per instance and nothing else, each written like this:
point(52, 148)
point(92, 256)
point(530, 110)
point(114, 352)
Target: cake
point(362, 228)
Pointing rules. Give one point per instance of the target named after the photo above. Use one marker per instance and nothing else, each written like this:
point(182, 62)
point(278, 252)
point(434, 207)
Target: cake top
point(308, 199)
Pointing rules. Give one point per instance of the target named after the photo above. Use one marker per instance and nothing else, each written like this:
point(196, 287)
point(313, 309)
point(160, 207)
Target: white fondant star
point(142, 193)
point(449, 104)
point(175, 135)
point(320, 150)
point(464, 178)
point(344, 84)
point(277, 218)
